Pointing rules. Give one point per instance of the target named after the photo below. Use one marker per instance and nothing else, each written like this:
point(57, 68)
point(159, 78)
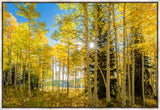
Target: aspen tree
point(75, 78)
point(128, 65)
point(108, 59)
point(124, 61)
point(63, 77)
point(133, 69)
point(95, 66)
point(68, 69)
point(87, 52)
point(53, 74)
point(117, 71)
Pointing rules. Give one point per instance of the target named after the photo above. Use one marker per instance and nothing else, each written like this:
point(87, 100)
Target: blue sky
point(47, 10)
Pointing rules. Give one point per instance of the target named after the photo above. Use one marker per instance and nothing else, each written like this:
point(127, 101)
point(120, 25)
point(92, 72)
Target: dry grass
point(150, 103)
point(55, 99)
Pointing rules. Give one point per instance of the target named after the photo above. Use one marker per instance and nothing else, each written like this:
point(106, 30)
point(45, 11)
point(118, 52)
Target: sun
point(91, 45)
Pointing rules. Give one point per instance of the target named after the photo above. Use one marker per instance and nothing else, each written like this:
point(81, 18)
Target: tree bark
point(53, 75)
point(68, 69)
point(75, 78)
point(20, 66)
point(15, 75)
point(42, 80)
point(95, 66)
point(124, 61)
point(63, 78)
point(128, 63)
point(133, 69)
point(87, 52)
point(59, 76)
point(116, 54)
point(10, 60)
point(129, 80)
point(143, 96)
point(108, 61)
point(103, 76)
point(29, 91)
point(24, 75)
point(59, 80)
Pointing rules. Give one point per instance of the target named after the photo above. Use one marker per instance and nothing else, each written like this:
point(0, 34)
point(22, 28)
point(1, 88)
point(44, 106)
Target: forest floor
point(54, 99)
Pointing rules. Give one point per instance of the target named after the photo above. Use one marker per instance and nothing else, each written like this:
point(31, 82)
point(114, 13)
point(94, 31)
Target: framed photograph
point(79, 54)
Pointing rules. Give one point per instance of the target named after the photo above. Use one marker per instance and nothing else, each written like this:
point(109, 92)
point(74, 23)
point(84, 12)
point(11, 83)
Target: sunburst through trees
point(95, 55)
